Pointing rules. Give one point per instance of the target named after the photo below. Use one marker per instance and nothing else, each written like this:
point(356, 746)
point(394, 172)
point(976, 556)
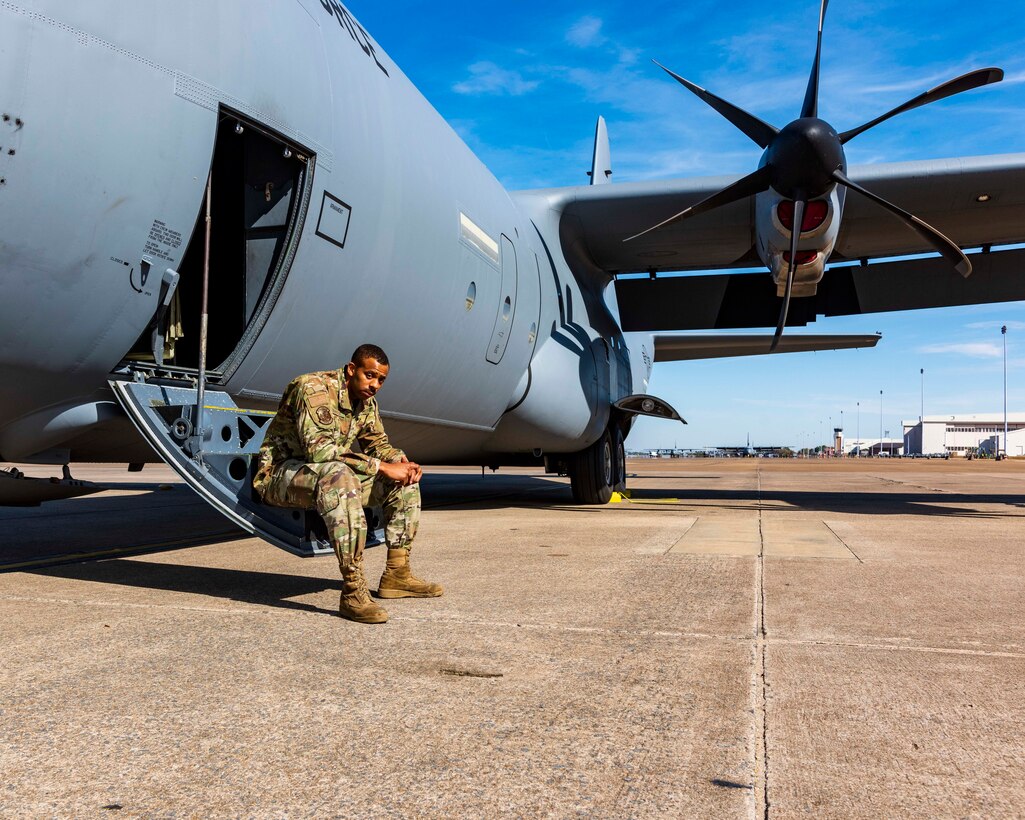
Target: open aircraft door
point(213, 449)
point(261, 184)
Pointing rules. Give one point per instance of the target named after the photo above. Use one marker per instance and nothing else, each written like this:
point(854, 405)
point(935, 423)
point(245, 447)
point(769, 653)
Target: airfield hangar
point(965, 435)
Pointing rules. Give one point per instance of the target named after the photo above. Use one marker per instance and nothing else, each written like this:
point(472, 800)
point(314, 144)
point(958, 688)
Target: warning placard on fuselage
point(333, 224)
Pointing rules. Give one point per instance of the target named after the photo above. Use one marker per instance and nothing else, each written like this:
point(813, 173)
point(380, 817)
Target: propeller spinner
point(805, 161)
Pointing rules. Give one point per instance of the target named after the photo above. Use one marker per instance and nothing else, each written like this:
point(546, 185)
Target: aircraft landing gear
point(600, 470)
point(619, 445)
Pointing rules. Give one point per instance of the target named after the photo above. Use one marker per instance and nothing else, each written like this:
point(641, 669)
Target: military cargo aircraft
point(200, 201)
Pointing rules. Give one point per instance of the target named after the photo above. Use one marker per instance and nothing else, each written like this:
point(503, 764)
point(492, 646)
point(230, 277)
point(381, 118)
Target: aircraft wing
point(722, 345)
point(946, 193)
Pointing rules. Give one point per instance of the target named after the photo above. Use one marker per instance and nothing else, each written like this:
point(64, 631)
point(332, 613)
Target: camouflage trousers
point(339, 496)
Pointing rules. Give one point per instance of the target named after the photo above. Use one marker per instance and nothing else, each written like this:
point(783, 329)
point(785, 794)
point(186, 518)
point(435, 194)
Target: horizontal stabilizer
point(720, 346)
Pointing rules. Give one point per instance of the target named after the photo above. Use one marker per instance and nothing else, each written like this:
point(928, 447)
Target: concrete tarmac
point(744, 638)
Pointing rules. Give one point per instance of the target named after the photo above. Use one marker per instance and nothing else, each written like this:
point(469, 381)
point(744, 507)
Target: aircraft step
point(217, 461)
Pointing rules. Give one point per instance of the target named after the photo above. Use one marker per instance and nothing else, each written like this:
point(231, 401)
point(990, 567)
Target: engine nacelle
point(773, 231)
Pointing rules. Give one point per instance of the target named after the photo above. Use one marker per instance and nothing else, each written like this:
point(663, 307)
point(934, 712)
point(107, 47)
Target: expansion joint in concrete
point(760, 694)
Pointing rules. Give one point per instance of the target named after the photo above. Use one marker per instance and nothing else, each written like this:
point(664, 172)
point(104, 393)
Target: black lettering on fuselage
point(356, 32)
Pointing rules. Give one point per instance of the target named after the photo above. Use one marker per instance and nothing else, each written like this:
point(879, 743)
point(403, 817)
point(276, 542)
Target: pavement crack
point(676, 543)
point(470, 673)
point(899, 483)
point(836, 535)
point(933, 650)
point(126, 605)
point(671, 635)
point(269, 609)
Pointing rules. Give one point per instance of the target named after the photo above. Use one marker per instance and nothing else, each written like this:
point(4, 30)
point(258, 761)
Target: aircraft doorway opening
point(258, 197)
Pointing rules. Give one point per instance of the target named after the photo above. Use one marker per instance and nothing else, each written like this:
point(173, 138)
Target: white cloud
point(996, 324)
point(586, 32)
point(977, 350)
point(629, 56)
point(917, 84)
point(488, 78)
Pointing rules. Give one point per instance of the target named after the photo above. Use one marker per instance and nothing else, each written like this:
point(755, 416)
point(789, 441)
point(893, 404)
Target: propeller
point(966, 82)
point(799, 206)
point(758, 131)
point(805, 160)
point(811, 96)
point(947, 249)
point(743, 187)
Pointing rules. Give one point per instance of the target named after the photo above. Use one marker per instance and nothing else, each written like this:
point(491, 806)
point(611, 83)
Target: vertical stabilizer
point(601, 163)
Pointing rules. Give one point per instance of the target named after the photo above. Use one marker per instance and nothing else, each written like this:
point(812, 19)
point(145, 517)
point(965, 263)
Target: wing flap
point(748, 300)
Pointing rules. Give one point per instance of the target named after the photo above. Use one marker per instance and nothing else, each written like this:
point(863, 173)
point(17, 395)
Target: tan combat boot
point(398, 582)
point(356, 603)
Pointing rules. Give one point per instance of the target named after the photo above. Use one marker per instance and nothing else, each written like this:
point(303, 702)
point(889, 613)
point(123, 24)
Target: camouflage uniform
point(307, 460)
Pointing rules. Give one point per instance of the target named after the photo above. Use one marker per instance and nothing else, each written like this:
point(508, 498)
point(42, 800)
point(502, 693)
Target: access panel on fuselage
point(506, 304)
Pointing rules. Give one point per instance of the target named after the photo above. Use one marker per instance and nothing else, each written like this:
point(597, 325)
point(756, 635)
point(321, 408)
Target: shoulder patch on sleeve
point(316, 393)
point(316, 396)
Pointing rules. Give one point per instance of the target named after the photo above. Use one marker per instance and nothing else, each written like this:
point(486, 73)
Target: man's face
point(364, 379)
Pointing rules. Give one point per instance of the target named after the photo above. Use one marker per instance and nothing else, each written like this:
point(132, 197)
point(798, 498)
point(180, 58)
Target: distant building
point(873, 447)
point(965, 435)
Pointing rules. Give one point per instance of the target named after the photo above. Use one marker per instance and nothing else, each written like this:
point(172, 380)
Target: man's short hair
point(364, 352)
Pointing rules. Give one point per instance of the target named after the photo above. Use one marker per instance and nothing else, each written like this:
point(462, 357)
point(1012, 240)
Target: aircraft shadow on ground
point(245, 586)
point(462, 492)
point(943, 504)
point(458, 492)
point(106, 526)
point(144, 527)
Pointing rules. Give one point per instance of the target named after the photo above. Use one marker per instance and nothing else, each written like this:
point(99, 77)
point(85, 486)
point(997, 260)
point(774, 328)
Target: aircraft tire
point(619, 453)
point(593, 473)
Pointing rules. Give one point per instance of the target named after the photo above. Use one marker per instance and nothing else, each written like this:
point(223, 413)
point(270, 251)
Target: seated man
point(307, 461)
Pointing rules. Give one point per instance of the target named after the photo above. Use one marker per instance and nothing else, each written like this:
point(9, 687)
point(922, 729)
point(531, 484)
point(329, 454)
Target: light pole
point(859, 429)
point(1003, 334)
point(889, 449)
point(880, 421)
point(921, 416)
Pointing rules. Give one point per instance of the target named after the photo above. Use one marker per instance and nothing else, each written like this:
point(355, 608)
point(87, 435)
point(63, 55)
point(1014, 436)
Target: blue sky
point(523, 83)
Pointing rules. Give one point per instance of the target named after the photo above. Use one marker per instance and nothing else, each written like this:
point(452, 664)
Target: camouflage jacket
point(316, 422)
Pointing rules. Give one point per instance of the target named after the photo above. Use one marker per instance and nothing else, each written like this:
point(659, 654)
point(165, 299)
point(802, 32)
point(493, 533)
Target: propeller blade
point(951, 252)
point(795, 234)
point(966, 82)
point(745, 186)
point(759, 132)
point(811, 96)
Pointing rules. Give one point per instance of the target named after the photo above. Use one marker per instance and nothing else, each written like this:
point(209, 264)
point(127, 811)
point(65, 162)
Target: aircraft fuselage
point(391, 231)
